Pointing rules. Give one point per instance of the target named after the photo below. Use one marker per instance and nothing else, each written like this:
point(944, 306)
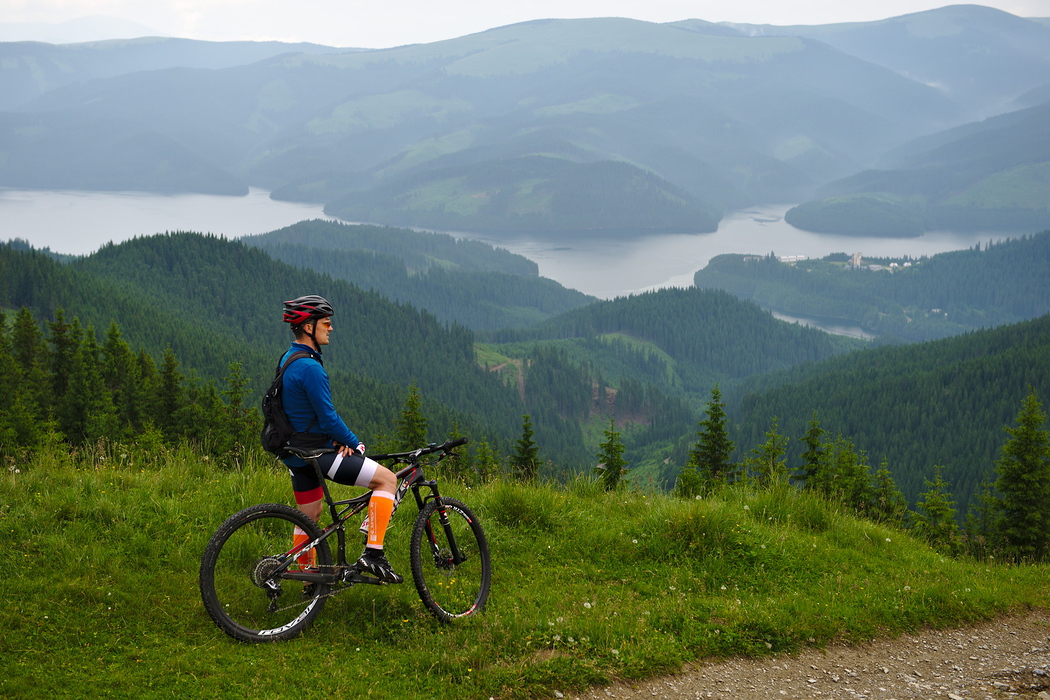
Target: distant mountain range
point(557, 126)
point(80, 30)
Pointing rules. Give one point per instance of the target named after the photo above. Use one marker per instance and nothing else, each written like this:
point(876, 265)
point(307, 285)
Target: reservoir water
point(78, 223)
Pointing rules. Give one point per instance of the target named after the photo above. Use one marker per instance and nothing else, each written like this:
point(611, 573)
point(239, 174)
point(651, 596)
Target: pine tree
point(242, 422)
point(689, 483)
point(710, 456)
point(65, 339)
point(9, 378)
point(935, 520)
point(486, 461)
point(411, 425)
point(815, 456)
point(170, 397)
point(612, 465)
point(30, 355)
point(983, 524)
point(889, 504)
point(843, 476)
point(526, 458)
point(767, 462)
point(86, 412)
point(1024, 482)
point(122, 376)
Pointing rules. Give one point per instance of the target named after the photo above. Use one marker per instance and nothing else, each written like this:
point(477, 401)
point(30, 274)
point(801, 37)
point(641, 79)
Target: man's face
point(321, 330)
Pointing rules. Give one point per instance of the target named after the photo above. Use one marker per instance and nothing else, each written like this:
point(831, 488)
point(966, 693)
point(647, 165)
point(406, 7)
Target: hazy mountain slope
point(980, 57)
point(993, 174)
point(727, 119)
point(28, 69)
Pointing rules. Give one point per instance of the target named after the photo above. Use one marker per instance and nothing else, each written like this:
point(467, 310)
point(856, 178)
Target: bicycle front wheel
point(241, 582)
point(450, 560)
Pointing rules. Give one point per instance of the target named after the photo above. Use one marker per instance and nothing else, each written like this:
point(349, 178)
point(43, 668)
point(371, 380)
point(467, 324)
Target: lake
point(607, 269)
point(78, 223)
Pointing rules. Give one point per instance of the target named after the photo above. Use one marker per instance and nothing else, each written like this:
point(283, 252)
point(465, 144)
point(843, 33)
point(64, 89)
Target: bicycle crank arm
point(353, 577)
point(311, 577)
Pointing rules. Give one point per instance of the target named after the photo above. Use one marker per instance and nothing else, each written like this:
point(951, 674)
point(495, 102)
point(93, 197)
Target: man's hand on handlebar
point(347, 451)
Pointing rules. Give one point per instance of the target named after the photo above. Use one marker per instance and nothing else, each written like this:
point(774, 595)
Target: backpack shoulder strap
point(297, 355)
point(279, 375)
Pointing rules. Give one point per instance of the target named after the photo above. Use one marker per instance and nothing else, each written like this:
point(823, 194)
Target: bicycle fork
point(454, 557)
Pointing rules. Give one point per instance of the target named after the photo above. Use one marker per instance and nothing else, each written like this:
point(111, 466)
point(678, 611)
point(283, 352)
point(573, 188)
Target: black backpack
point(277, 431)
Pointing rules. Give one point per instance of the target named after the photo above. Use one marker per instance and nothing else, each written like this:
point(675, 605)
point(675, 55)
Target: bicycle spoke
point(241, 576)
point(450, 560)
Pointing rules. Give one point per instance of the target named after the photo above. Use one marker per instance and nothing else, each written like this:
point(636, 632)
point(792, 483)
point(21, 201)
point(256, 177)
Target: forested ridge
point(935, 297)
point(916, 407)
point(216, 302)
point(461, 281)
point(205, 311)
point(703, 337)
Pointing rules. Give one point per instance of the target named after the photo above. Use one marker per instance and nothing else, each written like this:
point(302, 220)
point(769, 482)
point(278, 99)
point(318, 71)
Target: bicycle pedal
point(354, 576)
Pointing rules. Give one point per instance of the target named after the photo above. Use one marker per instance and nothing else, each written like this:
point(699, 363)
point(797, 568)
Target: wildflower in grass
point(587, 605)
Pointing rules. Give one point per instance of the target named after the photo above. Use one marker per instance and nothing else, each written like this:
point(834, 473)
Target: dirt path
point(1007, 658)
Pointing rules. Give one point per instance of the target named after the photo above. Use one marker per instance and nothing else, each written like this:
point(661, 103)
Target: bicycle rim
point(450, 589)
point(239, 585)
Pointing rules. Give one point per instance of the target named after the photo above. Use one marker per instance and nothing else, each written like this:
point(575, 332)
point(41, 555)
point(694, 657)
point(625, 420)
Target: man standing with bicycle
point(308, 404)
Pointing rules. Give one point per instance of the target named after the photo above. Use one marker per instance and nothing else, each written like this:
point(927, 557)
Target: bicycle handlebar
point(315, 452)
point(429, 449)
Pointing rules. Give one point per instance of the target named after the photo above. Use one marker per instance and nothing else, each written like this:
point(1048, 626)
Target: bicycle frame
point(247, 561)
point(409, 477)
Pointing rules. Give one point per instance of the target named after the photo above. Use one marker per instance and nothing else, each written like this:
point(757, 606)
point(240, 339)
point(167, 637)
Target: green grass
point(101, 551)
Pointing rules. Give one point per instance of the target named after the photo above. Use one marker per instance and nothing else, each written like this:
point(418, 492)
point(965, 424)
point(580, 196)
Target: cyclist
point(308, 403)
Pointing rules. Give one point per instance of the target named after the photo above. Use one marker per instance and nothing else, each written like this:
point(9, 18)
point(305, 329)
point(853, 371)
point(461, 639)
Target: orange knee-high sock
point(307, 560)
point(380, 508)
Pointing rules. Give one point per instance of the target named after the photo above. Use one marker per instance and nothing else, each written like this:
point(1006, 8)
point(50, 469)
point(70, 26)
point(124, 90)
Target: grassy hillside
point(644, 584)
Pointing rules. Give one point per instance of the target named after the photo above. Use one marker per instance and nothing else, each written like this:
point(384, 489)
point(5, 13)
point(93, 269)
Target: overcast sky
point(384, 23)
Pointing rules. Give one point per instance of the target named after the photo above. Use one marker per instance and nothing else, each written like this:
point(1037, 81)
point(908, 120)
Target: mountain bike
point(256, 589)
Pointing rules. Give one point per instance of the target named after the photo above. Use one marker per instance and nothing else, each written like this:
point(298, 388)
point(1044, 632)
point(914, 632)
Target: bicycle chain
point(335, 590)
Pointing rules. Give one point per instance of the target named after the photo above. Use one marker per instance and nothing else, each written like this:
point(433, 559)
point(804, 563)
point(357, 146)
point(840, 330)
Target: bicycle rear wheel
point(240, 590)
point(450, 560)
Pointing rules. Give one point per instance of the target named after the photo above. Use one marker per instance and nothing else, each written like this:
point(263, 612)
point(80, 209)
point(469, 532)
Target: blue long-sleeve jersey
point(307, 399)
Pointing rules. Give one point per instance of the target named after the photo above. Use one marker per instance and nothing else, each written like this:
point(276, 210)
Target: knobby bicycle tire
point(236, 588)
point(448, 589)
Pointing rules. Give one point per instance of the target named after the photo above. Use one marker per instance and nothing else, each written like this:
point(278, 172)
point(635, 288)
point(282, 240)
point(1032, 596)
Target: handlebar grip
point(454, 443)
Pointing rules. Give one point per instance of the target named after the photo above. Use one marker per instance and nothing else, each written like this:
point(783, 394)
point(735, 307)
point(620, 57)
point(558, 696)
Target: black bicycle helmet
point(306, 308)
